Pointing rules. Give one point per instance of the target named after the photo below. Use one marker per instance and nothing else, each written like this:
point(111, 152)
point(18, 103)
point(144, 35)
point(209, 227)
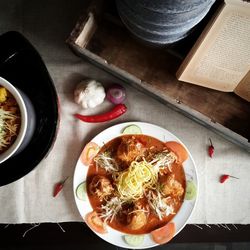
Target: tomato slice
point(178, 149)
point(95, 223)
point(164, 234)
point(89, 152)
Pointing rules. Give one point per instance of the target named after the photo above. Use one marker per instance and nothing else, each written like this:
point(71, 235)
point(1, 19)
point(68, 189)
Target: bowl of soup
point(17, 120)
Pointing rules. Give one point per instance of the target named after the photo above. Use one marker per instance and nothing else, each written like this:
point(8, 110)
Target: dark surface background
point(76, 235)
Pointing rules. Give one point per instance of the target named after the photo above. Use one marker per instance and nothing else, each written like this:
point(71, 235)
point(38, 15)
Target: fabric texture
point(47, 24)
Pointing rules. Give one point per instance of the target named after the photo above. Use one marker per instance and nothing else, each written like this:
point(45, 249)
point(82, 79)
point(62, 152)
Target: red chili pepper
point(224, 177)
point(59, 187)
point(117, 111)
point(211, 149)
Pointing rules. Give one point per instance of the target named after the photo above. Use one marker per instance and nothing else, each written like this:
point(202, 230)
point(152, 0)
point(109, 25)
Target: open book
point(220, 59)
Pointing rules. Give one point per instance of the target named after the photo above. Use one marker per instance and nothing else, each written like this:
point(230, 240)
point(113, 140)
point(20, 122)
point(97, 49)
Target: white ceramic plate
point(113, 236)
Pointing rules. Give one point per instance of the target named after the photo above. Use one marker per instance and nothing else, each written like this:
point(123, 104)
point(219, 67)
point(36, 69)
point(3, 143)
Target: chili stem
point(211, 142)
point(68, 177)
point(233, 177)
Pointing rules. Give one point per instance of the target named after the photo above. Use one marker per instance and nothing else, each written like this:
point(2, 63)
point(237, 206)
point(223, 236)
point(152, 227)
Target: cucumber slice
point(132, 129)
point(81, 192)
point(134, 240)
point(190, 190)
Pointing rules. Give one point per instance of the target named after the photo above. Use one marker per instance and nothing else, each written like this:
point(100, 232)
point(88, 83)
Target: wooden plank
point(152, 70)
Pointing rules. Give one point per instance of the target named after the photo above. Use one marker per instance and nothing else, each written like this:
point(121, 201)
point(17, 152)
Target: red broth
point(153, 222)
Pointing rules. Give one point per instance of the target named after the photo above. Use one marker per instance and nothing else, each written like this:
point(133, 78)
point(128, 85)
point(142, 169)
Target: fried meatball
point(139, 220)
point(101, 186)
point(172, 187)
point(129, 149)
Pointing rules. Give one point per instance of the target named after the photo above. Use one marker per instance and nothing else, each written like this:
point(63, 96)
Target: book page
point(243, 88)
point(223, 56)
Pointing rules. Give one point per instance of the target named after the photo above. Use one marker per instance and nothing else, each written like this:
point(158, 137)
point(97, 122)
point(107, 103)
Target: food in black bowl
point(22, 66)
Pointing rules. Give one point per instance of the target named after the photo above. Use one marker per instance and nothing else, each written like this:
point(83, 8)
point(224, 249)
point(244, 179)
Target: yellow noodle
point(132, 183)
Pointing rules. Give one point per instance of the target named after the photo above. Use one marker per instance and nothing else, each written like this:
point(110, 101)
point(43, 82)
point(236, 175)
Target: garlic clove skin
point(89, 94)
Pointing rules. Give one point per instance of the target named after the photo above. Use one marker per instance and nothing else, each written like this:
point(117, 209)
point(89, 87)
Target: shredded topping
point(105, 160)
point(164, 159)
point(8, 127)
point(158, 204)
point(111, 208)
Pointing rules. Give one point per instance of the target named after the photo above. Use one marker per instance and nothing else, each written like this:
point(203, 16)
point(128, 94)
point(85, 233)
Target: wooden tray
point(100, 37)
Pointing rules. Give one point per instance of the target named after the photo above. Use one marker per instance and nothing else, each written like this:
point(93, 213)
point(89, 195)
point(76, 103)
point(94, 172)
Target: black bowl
point(170, 6)
point(21, 65)
point(167, 26)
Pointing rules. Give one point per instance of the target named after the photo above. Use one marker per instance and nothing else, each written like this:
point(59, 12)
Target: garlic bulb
point(89, 93)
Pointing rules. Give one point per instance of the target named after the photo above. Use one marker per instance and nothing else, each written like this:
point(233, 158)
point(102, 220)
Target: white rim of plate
point(116, 237)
